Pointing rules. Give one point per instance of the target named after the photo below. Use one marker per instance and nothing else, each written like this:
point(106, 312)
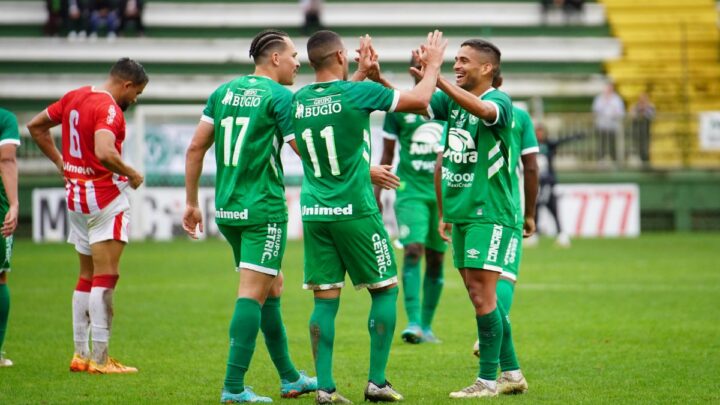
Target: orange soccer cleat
point(111, 366)
point(79, 363)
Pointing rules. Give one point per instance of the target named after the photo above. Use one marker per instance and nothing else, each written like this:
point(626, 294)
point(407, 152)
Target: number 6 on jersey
point(228, 125)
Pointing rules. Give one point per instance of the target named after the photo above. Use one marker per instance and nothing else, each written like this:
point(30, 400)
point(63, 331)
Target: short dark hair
point(488, 49)
point(321, 45)
point(267, 41)
point(127, 69)
point(497, 79)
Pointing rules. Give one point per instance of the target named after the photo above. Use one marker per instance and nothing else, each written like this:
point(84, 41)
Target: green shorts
point(361, 247)
point(257, 247)
point(482, 246)
point(418, 223)
point(6, 245)
point(513, 255)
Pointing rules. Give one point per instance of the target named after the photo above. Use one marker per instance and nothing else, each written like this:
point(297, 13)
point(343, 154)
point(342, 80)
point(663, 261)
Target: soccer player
point(477, 201)
point(417, 216)
point(9, 141)
point(249, 118)
point(525, 147)
point(96, 179)
point(548, 180)
point(343, 230)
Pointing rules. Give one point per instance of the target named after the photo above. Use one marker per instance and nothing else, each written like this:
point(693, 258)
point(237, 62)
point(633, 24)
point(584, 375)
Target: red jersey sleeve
point(55, 109)
point(109, 117)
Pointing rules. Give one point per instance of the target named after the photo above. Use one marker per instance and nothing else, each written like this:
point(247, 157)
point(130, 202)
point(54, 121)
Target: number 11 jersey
point(332, 125)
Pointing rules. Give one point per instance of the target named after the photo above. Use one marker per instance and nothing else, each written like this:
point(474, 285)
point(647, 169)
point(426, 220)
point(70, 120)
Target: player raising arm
point(477, 194)
point(343, 230)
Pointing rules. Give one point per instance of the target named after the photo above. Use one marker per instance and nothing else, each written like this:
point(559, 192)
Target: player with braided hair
point(249, 118)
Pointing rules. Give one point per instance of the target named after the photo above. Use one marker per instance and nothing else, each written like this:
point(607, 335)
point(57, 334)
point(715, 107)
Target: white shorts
point(110, 223)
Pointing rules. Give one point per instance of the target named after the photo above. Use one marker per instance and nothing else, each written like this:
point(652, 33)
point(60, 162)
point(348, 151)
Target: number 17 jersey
point(252, 118)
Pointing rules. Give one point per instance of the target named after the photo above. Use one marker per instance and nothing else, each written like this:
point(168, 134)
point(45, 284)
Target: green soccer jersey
point(252, 118)
point(8, 135)
point(419, 144)
point(476, 181)
point(332, 123)
point(524, 141)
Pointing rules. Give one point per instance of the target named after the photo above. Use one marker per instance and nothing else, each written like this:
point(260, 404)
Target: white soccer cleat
point(476, 348)
point(4, 362)
point(512, 383)
point(477, 390)
point(563, 240)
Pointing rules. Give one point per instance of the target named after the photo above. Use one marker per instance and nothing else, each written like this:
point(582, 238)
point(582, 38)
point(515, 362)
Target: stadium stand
point(194, 45)
point(682, 75)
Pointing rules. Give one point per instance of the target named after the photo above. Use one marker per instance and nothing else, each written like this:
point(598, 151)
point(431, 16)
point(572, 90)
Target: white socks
point(81, 322)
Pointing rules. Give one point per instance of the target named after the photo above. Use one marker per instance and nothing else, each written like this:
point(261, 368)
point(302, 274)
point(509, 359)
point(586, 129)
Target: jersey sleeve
point(109, 117)
point(282, 108)
point(9, 133)
point(372, 96)
point(391, 126)
point(208, 114)
point(55, 110)
point(503, 108)
point(438, 108)
point(528, 139)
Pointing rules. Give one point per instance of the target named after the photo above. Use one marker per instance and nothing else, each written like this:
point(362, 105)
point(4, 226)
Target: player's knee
point(434, 262)
point(3, 277)
point(413, 252)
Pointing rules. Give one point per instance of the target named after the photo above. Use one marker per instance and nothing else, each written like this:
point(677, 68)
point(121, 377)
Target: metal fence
point(667, 141)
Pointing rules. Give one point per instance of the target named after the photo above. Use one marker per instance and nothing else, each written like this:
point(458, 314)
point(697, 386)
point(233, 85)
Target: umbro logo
point(473, 253)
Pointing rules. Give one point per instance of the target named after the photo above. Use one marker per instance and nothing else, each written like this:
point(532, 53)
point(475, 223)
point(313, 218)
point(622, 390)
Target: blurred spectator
point(132, 12)
point(546, 168)
point(643, 113)
point(312, 9)
point(609, 111)
point(55, 17)
point(572, 9)
point(77, 19)
point(104, 13)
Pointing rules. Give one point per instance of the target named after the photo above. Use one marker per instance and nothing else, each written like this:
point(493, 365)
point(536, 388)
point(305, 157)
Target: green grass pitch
point(607, 321)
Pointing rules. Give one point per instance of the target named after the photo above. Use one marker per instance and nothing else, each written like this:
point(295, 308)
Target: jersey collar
point(94, 90)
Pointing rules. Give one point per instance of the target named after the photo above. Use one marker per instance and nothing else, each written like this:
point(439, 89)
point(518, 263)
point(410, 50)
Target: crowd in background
point(90, 18)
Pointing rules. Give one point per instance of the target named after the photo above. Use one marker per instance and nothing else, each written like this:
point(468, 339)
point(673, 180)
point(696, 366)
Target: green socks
point(244, 328)
point(322, 335)
point(490, 333)
point(411, 289)
point(505, 290)
point(508, 358)
point(381, 325)
point(4, 311)
point(276, 340)
point(432, 289)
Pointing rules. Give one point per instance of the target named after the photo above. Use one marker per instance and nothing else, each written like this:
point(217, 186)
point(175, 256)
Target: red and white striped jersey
point(90, 185)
